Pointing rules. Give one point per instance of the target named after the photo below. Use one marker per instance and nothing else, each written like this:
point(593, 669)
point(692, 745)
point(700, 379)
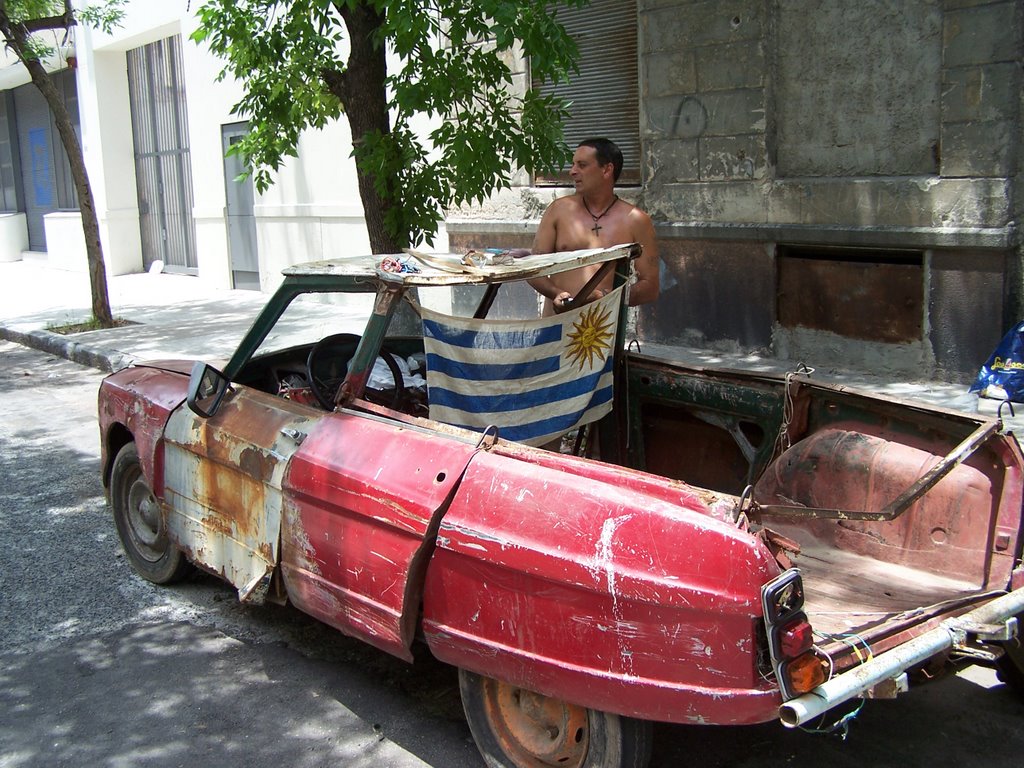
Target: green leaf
point(452, 64)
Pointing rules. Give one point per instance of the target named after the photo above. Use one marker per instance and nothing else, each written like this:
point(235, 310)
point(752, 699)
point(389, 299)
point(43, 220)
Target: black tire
point(140, 525)
point(516, 728)
point(1010, 666)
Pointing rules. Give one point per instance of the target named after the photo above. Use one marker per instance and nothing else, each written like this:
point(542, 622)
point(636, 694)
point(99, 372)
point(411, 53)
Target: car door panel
point(222, 484)
point(363, 499)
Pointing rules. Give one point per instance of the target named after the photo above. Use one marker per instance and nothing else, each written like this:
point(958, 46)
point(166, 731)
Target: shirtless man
point(595, 217)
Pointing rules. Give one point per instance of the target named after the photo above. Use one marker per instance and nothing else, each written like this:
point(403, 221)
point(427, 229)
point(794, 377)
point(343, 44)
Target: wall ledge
point(995, 238)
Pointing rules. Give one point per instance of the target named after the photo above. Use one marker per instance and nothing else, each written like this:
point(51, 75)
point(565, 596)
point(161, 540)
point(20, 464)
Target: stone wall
point(891, 125)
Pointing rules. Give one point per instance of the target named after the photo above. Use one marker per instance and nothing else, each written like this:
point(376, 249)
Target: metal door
point(163, 169)
point(12, 186)
point(44, 163)
point(245, 264)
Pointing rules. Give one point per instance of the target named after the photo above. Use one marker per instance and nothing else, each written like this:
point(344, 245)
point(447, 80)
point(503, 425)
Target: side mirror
point(206, 388)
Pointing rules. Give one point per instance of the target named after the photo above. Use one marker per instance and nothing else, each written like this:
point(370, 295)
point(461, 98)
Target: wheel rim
point(145, 524)
point(536, 730)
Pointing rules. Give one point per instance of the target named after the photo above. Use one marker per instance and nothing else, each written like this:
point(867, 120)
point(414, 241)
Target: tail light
point(802, 674)
point(790, 637)
point(783, 596)
point(795, 637)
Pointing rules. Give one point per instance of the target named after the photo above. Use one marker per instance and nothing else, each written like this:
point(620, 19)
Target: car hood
point(174, 366)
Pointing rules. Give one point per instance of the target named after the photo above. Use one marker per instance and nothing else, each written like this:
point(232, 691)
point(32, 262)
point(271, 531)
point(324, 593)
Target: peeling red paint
point(362, 500)
point(141, 400)
point(638, 589)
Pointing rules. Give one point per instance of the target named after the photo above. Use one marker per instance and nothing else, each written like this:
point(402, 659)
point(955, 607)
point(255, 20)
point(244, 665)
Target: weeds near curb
point(92, 324)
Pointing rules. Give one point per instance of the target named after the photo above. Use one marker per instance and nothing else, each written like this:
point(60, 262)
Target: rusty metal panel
point(1009, 468)
point(947, 531)
point(858, 297)
point(363, 496)
point(617, 590)
point(722, 289)
point(222, 490)
point(141, 399)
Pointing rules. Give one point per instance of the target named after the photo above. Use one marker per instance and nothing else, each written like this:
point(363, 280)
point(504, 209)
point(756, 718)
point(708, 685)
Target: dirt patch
point(67, 329)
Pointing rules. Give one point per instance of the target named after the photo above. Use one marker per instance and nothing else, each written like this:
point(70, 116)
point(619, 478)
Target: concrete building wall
point(873, 130)
point(860, 91)
point(886, 125)
point(107, 145)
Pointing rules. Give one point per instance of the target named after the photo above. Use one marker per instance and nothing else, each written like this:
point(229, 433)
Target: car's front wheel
point(517, 728)
point(140, 524)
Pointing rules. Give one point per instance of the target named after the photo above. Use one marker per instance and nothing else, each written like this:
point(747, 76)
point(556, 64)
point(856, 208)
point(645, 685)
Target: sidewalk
point(177, 316)
point(173, 316)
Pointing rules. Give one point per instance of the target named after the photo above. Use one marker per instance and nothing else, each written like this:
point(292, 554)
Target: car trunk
point(896, 513)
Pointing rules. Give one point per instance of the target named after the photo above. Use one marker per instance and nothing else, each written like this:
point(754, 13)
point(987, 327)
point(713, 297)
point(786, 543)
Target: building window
point(67, 193)
point(605, 92)
point(8, 153)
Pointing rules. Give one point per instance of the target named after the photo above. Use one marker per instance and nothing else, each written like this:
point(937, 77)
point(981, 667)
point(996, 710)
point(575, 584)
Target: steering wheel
point(327, 366)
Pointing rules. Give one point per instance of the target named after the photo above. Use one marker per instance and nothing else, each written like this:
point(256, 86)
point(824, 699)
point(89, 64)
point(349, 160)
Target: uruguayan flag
point(533, 379)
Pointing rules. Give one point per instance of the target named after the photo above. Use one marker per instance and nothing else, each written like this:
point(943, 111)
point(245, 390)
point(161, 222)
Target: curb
point(61, 346)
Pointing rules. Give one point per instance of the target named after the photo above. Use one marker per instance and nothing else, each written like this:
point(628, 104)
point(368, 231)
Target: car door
point(222, 483)
point(364, 497)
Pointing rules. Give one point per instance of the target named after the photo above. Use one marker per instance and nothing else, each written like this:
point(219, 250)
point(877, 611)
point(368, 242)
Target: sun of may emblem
point(590, 337)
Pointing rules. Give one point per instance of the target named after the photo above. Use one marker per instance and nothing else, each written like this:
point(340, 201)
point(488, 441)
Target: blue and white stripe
point(516, 374)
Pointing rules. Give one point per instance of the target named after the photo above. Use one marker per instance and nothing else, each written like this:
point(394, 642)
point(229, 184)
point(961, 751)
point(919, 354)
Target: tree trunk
point(86, 204)
point(361, 89)
point(15, 36)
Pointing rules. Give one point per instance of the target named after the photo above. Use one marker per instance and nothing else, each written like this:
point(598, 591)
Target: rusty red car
point(715, 547)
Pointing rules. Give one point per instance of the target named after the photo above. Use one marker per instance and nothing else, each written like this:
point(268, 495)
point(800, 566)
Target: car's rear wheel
point(1011, 664)
point(140, 524)
point(517, 728)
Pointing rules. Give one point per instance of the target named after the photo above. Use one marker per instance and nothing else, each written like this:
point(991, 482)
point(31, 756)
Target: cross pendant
point(596, 229)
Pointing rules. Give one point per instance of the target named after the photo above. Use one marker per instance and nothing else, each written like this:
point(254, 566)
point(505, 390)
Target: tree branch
point(48, 22)
point(337, 84)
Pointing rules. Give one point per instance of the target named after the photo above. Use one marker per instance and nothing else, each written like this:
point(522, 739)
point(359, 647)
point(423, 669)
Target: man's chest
point(590, 232)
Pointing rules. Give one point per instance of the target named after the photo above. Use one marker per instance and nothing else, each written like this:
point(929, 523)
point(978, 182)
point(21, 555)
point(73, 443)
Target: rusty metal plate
point(856, 298)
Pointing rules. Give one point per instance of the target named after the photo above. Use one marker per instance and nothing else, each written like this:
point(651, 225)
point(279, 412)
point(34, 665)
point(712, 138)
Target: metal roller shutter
point(605, 92)
point(163, 168)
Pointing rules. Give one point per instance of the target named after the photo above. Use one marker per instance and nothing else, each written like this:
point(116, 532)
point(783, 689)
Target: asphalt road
point(100, 668)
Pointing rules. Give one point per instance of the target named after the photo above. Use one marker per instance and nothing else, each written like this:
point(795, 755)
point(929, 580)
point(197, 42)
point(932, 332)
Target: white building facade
point(155, 124)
